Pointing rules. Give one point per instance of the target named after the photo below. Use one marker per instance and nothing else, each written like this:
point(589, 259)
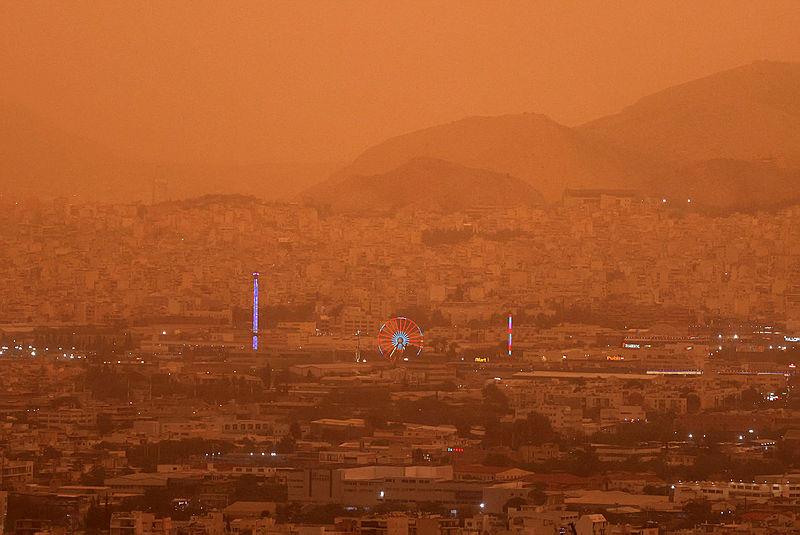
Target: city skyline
point(421, 268)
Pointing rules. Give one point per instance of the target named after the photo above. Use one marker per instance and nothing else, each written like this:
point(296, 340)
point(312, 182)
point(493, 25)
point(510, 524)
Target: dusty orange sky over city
point(380, 267)
point(251, 82)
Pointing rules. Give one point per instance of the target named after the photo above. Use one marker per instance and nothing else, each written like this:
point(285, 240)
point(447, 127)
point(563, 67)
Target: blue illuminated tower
point(509, 334)
point(255, 311)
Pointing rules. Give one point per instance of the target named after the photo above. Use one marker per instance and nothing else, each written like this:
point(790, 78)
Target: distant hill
point(424, 183)
point(751, 113)
point(730, 140)
point(39, 159)
point(549, 156)
point(732, 184)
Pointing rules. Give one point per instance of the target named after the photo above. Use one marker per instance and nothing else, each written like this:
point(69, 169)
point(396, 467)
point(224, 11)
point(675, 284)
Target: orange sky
point(319, 81)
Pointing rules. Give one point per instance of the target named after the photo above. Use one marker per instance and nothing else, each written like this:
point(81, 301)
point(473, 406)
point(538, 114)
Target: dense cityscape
point(134, 402)
point(399, 268)
point(632, 260)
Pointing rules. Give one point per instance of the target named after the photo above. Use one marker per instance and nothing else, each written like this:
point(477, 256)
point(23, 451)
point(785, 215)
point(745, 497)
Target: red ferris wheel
point(400, 338)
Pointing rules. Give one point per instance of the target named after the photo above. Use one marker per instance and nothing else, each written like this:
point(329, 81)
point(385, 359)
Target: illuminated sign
point(674, 372)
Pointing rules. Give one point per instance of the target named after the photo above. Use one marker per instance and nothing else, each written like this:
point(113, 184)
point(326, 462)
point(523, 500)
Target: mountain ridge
point(530, 146)
point(425, 183)
point(736, 131)
point(750, 112)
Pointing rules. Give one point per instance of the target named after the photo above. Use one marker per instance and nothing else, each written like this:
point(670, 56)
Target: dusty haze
point(258, 82)
point(399, 268)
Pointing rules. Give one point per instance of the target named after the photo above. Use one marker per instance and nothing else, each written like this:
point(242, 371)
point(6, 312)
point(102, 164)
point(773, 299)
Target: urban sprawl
point(650, 387)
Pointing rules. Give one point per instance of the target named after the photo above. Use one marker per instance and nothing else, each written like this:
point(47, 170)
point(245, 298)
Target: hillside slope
point(549, 156)
point(425, 183)
point(750, 113)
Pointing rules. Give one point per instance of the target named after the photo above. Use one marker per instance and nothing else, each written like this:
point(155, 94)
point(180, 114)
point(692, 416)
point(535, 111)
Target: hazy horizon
point(255, 83)
point(418, 268)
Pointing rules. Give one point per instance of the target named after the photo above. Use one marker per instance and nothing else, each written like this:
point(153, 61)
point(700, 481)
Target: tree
point(463, 424)
point(537, 495)
point(584, 463)
point(286, 445)
point(698, 512)
point(535, 429)
point(452, 350)
point(105, 424)
point(265, 374)
point(751, 397)
point(708, 464)
point(253, 488)
point(514, 503)
point(96, 476)
point(494, 400)
point(295, 431)
point(97, 517)
point(692, 403)
point(376, 419)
